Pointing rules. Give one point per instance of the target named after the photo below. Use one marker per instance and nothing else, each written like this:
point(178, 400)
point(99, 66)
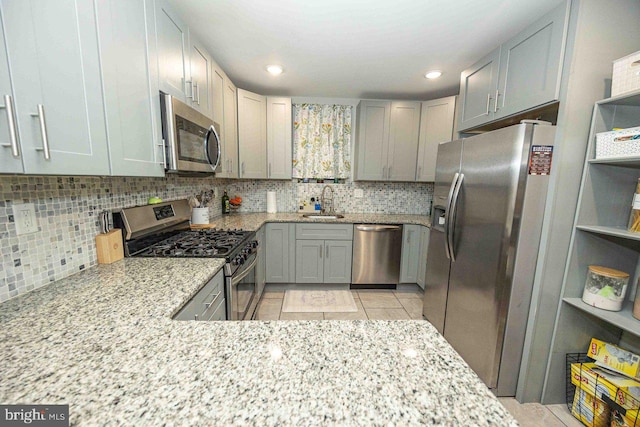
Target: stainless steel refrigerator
point(488, 207)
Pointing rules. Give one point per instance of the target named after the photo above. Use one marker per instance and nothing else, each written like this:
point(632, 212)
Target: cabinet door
point(217, 109)
point(277, 253)
point(478, 86)
point(403, 141)
point(436, 126)
point(309, 261)
point(53, 52)
point(252, 134)
point(173, 52)
point(262, 264)
point(200, 78)
point(372, 140)
point(231, 129)
point(422, 262)
point(531, 65)
point(132, 105)
point(10, 153)
point(337, 261)
point(410, 253)
point(279, 138)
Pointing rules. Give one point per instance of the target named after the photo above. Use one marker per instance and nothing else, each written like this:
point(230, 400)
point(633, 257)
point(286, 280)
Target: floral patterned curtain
point(321, 141)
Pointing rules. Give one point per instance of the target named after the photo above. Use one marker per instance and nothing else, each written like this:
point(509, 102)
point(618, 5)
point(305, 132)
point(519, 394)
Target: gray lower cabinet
point(411, 236)
point(422, 261)
point(280, 253)
point(130, 79)
point(323, 253)
point(53, 54)
point(261, 267)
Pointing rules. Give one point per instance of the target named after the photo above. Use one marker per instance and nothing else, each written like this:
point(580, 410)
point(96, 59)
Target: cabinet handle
point(389, 173)
point(327, 254)
point(419, 171)
point(43, 132)
point(230, 166)
point(197, 93)
point(243, 169)
point(187, 84)
point(320, 253)
point(269, 174)
point(488, 102)
point(384, 172)
point(13, 133)
point(163, 147)
point(495, 106)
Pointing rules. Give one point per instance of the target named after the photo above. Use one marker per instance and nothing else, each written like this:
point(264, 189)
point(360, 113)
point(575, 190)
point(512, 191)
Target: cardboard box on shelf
point(600, 382)
point(590, 410)
point(615, 358)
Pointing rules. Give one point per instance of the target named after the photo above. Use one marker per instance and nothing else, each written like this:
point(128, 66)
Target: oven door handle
point(237, 279)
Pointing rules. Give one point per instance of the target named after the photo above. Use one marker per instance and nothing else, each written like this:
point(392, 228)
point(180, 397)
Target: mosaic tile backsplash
point(67, 211)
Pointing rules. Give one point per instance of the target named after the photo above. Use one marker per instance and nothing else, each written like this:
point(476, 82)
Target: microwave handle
point(207, 137)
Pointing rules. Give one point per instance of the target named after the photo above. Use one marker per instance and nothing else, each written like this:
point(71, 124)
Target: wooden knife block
point(109, 246)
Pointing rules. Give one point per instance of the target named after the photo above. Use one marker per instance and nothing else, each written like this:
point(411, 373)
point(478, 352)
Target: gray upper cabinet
point(387, 140)
point(173, 53)
point(372, 139)
point(523, 73)
point(403, 141)
point(252, 134)
point(231, 129)
point(217, 110)
point(409, 266)
point(130, 79)
point(10, 153)
point(53, 52)
point(279, 138)
point(200, 78)
point(436, 126)
point(478, 87)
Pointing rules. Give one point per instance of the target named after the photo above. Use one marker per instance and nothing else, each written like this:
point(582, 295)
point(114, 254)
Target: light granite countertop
point(103, 342)
point(253, 221)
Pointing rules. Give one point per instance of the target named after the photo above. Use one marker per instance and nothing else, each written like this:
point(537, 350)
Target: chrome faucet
point(323, 201)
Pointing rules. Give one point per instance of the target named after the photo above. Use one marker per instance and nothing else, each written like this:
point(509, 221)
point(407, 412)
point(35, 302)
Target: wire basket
point(594, 399)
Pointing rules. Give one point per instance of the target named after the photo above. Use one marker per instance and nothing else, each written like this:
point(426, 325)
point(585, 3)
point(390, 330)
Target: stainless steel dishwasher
point(376, 256)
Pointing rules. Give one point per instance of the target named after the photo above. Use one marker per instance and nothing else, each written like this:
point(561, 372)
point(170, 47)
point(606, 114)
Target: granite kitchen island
point(103, 341)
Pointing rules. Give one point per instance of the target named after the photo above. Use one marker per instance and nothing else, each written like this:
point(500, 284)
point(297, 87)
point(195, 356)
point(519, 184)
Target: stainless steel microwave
point(192, 142)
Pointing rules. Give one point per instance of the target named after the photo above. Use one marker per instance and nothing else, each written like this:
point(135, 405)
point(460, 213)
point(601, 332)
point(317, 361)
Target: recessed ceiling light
point(433, 74)
point(274, 69)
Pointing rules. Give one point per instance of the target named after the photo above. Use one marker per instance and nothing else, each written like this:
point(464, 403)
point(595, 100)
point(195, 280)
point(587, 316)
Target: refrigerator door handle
point(452, 216)
point(447, 249)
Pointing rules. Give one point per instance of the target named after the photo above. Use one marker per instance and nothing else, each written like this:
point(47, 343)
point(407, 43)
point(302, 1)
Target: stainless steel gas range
point(162, 230)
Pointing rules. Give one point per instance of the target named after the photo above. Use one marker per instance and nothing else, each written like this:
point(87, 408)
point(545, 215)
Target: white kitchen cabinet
point(217, 106)
point(422, 260)
point(436, 126)
point(409, 264)
point(200, 61)
point(173, 52)
point(521, 74)
point(252, 134)
point(387, 139)
point(279, 138)
point(231, 129)
point(53, 52)
point(130, 81)
point(10, 153)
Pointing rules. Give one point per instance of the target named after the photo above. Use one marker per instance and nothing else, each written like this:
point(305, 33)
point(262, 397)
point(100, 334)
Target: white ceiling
point(354, 48)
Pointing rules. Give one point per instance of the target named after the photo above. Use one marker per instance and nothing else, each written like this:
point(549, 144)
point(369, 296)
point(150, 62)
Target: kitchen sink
point(323, 216)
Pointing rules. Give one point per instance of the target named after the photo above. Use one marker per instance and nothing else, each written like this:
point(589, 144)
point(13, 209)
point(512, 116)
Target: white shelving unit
point(600, 237)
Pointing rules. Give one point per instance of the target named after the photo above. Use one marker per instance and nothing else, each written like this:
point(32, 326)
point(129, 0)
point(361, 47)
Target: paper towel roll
point(272, 206)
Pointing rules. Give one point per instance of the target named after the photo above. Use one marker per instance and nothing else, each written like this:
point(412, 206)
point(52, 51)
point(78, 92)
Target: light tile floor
point(404, 303)
point(386, 304)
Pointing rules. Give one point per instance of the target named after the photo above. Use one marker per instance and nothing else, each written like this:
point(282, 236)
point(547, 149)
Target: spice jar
point(605, 288)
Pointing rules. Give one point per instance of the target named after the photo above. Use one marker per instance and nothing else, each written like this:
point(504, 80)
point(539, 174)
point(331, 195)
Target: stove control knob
point(254, 244)
point(241, 260)
point(235, 261)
